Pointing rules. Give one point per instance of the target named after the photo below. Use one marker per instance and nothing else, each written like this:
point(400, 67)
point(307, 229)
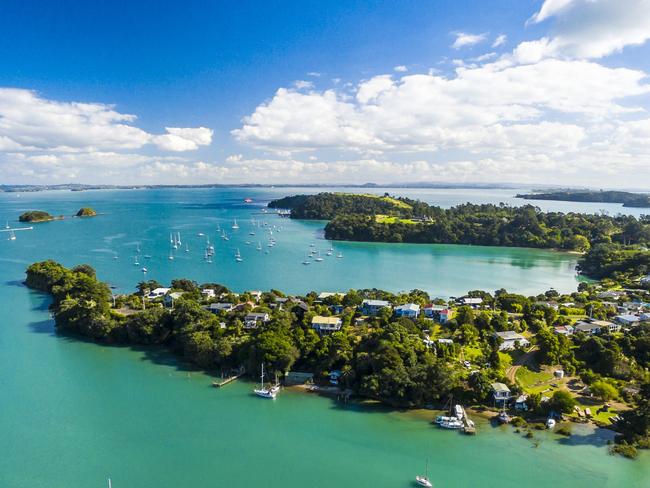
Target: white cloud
point(29, 122)
point(234, 158)
point(464, 39)
point(184, 139)
point(593, 29)
point(301, 84)
point(314, 74)
point(400, 69)
point(500, 40)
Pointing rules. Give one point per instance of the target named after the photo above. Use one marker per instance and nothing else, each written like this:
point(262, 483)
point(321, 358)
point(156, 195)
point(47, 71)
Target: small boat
point(248, 200)
point(187, 247)
point(200, 234)
point(144, 270)
point(424, 480)
point(7, 225)
point(550, 423)
point(251, 233)
point(259, 246)
point(339, 255)
point(147, 256)
point(238, 257)
point(264, 392)
point(503, 418)
point(12, 236)
point(135, 261)
point(234, 225)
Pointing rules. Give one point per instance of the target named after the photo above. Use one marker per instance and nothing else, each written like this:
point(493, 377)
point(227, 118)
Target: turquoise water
point(146, 218)
point(74, 413)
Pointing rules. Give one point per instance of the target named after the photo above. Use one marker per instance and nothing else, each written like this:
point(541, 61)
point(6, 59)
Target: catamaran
point(424, 480)
point(264, 392)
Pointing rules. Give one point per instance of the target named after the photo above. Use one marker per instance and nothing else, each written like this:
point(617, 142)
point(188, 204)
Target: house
point(646, 280)
point(221, 307)
point(255, 294)
point(208, 293)
point(410, 310)
point(372, 307)
point(337, 309)
point(511, 339)
point(565, 330)
point(520, 403)
point(586, 327)
point(158, 292)
point(627, 319)
point(469, 301)
point(611, 294)
point(445, 341)
point(644, 317)
point(500, 393)
point(253, 319)
point(326, 324)
point(170, 297)
point(431, 311)
point(328, 294)
point(445, 315)
point(300, 308)
point(606, 325)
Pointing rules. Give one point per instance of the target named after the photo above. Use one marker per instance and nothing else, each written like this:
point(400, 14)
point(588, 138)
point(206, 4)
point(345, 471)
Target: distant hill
point(628, 199)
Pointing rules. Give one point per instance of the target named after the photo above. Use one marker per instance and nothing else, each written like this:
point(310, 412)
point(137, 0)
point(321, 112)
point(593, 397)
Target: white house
point(208, 293)
point(410, 310)
point(500, 392)
point(326, 324)
point(253, 319)
point(472, 302)
point(511, 339)
point(372, 307)
point(170, 297)
point(158, 292)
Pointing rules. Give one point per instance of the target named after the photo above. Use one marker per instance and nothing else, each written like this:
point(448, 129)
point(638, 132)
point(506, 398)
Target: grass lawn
point(388, 219)
point(534, 382)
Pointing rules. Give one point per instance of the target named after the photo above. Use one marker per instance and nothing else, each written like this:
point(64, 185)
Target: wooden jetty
point(229, 379)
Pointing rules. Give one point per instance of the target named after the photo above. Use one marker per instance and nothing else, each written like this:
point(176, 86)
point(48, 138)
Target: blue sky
point(313, 91)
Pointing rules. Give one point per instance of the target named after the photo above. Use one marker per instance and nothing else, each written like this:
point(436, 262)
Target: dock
point(229, 379)
point(469, 427)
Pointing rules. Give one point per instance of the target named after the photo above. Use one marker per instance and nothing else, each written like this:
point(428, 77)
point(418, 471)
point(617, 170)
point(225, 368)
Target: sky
point(350, 91)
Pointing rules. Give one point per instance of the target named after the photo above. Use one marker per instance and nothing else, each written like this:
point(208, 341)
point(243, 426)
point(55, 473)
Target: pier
point(469, 427)
point(229, 379)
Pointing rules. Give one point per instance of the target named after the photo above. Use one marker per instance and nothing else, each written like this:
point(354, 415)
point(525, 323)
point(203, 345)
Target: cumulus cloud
point(400, 69)
point(464, 39)
point(592, 29)
point(301, 84)
point(30, 122)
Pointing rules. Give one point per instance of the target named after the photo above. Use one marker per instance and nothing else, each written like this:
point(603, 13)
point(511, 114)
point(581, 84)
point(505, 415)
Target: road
point(523, 360)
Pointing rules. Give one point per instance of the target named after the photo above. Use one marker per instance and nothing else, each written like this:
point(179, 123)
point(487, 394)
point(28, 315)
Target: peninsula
point(628, 199)
point(407, 350)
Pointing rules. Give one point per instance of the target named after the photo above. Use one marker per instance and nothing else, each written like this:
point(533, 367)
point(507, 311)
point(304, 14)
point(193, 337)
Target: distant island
point(86, 212)
point(628, 199)
point(37, 216)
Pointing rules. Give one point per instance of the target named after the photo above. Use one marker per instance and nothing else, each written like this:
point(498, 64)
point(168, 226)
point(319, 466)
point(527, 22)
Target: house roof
point(318, 319)
point(414, 307)
point(627, 318)
point(376, 303)
point(510, 335)
point(500, 388)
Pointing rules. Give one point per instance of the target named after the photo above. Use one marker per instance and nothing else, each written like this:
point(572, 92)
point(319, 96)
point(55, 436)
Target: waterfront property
point(409, 310)
point(326, 324)
point(500, 393)
point(221, 307)
point(158, 292)
point(372, 307)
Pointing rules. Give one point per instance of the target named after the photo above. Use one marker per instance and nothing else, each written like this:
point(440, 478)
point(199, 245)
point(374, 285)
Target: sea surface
point(73, 414)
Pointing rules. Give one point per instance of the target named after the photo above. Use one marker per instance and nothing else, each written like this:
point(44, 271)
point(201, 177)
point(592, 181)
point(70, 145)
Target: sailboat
point(318, 259)
point(7, 225)
point(12, 235)
point(259, 246)
point(178, 240)
point(234, 225)
point(109, 483)
point(266, 392)
point(339, 255)
point(424, 480)
point(187, 247)
point(136, 262)
point(238, 257)
point(306, 262)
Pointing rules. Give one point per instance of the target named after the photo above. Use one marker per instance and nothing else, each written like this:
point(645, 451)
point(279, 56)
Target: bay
point(74, 413)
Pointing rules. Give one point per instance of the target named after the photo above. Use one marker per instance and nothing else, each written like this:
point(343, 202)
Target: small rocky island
point(37, 216)
point(86, 212)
